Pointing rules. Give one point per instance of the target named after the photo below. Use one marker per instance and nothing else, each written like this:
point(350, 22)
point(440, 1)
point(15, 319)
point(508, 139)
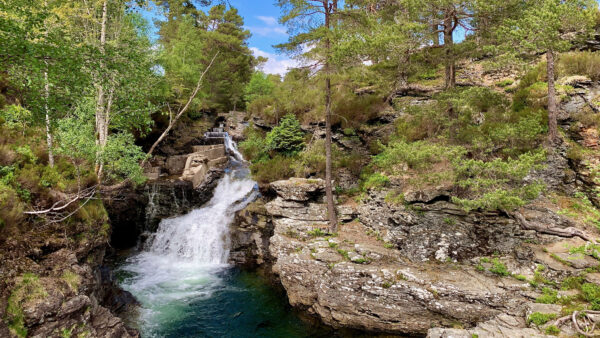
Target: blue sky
point(260, 17)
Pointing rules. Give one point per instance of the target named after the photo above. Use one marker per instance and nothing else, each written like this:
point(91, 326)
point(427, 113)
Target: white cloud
point(268, 20)
point(276, 64)
point(270, 27)
point(267, 31)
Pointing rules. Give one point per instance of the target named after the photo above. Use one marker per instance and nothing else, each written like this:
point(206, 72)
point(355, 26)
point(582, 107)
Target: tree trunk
point(47, 111)
point(450, 79)
point(101, 123)
point(331, 215)
point(552, 109)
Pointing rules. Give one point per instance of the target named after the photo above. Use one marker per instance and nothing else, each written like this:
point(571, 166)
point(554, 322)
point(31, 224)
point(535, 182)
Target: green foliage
point(122, 157)
point(499, 268)
point(317, 232)
point(579, 63)
point(417, 155)
point(254, 147)
point(28, 288)
point(16, 117)
point(278, 167)
point(504, 83)
point(591, 293)
point(552, 330)
point(539, 318)
point(498, 184)
point(72, 279)
point(548, 296)
point(286, 138)
point(260, 85)
point(374, 181)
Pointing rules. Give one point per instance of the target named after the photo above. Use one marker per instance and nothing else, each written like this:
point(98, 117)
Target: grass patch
point(72, 279)
point(27, 289)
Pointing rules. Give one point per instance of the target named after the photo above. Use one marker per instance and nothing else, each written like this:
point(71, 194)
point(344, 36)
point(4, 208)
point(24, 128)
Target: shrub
point(548, 296)
point(254, 147)
point(504, 83)
point(591, 293)
point(499, 268)
point(498, 184)
point(274, 169)
point(287, 137)
point(375, 181)
point(552, 330)
point(579, 63)
point(16, 117)
point(11, 207)
point(121, 158)
point(539, 318)
point(417, 155)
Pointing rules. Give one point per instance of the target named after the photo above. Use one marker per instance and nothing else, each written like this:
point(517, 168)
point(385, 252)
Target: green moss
point(548, 296)
point(591, 293)
point(520, 277)
point(552, 330)
point(27, 289)
point(539, 318)
point(499, 268)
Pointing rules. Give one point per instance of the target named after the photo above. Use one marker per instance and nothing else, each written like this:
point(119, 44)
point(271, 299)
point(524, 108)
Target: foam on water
point(182, 261)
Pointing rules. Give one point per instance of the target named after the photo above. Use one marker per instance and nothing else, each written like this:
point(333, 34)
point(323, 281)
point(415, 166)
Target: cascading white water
point(232, 148)
point(181, 261)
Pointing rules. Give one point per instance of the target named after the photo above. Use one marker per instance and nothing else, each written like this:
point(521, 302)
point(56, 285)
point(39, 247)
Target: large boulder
point(298, 189)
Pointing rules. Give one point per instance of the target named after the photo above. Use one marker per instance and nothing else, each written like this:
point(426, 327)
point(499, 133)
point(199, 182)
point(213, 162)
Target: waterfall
point(182, 260)
point(232, 148)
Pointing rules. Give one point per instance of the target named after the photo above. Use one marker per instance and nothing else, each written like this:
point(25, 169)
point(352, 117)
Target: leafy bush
point(498, 184)
point(548, 296)
point(499, 268)
point(375, 181)
point(121, 157)
point(277, 168)
point(579, 63)
point(254, 147)
point(287, 138)
point(539, 318)
point(417, 155)
point(260, 85)
point(16, 117)
point(591, 293)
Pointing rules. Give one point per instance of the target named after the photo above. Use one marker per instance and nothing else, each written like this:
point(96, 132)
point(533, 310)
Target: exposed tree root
point(560, 232)
point(582, 322)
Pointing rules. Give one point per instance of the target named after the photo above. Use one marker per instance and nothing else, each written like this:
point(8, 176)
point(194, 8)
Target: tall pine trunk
point(101, 121)
point(450, 78)
point(331, 214)
point(552, 109)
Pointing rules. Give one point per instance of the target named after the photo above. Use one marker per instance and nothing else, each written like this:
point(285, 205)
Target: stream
point(187, 289)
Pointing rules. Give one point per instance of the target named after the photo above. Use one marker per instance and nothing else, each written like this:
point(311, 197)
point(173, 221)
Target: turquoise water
point(234, 303)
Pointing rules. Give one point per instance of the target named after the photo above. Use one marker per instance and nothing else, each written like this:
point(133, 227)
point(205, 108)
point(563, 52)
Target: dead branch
point(61, 205)
point(173, 121)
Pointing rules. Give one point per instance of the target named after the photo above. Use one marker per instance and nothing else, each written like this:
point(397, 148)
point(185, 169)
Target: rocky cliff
point(53, 282)
point(407, 260)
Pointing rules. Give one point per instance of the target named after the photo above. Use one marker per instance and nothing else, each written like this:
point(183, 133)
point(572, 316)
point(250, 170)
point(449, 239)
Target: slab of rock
point(298, 189)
